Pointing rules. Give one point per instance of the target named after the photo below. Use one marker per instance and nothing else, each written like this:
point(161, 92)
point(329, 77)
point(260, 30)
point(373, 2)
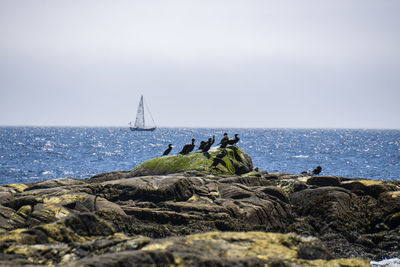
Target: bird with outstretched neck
point(187, 148)
point(234, 140)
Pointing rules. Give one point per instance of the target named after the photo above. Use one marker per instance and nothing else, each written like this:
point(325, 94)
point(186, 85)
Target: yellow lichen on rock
point(266, 246)
point(14, 235)
point(55, 210)
point(242, 246)
point(60, 233)
point(364, 182)
point(394, 194)
point(34, 250)
point(67, 198)
point(245, 244)
point(303, 179)
point(193, 198)
point(178, 262)
point(158, 246)
point(17, 187)
point(25, 211)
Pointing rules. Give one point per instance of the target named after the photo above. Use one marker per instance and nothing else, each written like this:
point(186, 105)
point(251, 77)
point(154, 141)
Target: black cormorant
point(218, 159)
point(202, 144)
point(317, 170)
point(208, 144)
point(234, 140)
point(187, 148)
point(166, 152)
point(224, 141)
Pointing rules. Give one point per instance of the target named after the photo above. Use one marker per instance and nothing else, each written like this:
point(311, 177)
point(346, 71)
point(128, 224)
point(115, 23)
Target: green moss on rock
point(235, 162)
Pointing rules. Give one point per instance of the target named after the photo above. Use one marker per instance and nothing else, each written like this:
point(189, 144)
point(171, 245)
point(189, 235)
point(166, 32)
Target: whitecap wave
point(49, 146)
point(154, 145)
point(98, 145)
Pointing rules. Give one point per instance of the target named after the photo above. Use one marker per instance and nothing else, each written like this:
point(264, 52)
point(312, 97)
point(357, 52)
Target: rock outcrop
point(200, 217)
point(236, 161)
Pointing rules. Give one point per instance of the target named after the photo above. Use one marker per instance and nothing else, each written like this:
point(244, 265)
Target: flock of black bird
point(225, 141)
point(204, 145)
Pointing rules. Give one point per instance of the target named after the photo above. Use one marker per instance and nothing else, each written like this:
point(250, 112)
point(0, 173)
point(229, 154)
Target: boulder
point(323, 201)
point(370, 187)
point(235, 162)
point(149, 188)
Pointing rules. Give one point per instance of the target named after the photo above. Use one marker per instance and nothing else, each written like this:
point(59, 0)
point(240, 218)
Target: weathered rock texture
point(197, 218)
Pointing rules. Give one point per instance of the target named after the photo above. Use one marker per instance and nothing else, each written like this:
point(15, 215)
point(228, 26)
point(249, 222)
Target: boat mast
point(151, 116)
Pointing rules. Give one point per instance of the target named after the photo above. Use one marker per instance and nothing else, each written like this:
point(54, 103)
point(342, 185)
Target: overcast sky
point(307, 64)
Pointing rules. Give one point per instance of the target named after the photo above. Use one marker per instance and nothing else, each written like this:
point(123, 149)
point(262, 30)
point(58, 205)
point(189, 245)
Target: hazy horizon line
point(195, 127)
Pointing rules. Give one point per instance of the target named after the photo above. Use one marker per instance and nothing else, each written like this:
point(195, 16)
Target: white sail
point(139, 123)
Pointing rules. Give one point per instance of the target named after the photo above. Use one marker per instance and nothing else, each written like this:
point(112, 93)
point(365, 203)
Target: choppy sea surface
point(29, 154)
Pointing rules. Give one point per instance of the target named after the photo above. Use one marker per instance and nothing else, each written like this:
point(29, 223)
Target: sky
point(208, 63)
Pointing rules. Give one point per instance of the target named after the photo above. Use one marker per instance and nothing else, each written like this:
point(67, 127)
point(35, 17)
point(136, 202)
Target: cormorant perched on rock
point(317, 170)
point(202, 144)
point(208, 144)
point(166, 152)
point(234, 140)
point(222, 154)
point(187, 148)
point(218, 159)
point(224, 141)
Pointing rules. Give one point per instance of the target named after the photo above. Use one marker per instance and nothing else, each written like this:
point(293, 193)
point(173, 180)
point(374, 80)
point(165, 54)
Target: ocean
point(29, 154)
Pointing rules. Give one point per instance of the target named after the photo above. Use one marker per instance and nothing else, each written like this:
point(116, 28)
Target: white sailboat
point(140, 124)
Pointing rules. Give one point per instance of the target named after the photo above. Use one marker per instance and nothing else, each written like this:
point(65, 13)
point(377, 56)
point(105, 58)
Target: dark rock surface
point(193, 218)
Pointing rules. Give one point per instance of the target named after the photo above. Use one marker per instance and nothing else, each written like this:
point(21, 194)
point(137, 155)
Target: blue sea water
point(29, 154)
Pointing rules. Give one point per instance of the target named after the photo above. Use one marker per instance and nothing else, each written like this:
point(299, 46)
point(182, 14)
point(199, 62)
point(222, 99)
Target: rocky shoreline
point(175, 211)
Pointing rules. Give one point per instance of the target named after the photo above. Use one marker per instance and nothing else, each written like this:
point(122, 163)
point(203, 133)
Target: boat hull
point(142, 129)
